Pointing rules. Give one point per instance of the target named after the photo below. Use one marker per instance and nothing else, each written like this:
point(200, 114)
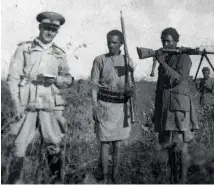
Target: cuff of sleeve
point(16, 103)
point(59, 81)
point(169, 71)
point(64, 81)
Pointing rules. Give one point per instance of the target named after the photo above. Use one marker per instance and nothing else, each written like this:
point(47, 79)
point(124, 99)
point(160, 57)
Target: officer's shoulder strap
point(25, 42)
point(54, 45)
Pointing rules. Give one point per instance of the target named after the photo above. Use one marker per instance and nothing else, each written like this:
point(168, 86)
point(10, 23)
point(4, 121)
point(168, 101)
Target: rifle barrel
point(127, 75)
point(209, 53)
point(124, 35)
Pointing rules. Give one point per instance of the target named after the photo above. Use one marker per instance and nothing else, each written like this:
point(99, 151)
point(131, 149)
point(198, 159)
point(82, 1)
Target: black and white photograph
point(107, 91)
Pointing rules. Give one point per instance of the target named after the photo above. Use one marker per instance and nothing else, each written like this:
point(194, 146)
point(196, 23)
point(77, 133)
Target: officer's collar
point(42, 45)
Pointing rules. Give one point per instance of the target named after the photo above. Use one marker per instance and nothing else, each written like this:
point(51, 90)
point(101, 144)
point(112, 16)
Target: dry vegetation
point(142, 160)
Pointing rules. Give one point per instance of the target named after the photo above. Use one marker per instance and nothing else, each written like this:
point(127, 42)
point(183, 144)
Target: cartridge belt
point(112, 96)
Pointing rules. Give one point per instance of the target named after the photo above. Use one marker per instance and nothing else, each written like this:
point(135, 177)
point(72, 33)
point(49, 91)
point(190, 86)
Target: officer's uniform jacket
point(30, 60)
point(42, 102)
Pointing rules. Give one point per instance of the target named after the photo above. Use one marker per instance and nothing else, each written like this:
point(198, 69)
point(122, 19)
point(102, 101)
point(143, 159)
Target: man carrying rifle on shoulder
point(174, 116)
point(206, 87)
point(110, 101)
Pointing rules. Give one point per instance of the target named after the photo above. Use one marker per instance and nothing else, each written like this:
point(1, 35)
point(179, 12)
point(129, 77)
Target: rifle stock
point(153, 67)
point(128, 75)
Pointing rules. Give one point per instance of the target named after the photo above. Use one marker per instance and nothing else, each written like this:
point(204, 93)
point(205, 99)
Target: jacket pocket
point(59, 100)
point(179, 102)
point(24, 92)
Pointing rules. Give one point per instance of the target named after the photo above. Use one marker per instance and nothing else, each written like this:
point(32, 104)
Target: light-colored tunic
point(114, 118)
point(42, 100)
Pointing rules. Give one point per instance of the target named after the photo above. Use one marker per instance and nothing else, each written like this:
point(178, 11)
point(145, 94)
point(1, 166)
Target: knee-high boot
point(16, 166)
point(55, 165)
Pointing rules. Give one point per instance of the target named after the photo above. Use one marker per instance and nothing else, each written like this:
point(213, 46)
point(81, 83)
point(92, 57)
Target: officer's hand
point(50, 80)
point(40, 77)
point(20, 110)
point(46, 79)
point(95, 114)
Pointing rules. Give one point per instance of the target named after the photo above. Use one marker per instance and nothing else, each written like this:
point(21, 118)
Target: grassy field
point(142, 159)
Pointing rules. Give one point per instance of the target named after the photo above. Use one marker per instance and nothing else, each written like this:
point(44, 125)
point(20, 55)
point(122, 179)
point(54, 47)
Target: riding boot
point(55, 165)
point(16, 166)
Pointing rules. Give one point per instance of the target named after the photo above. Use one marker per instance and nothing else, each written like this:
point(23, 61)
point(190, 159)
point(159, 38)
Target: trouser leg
point(116, 160)
point(23, 139)
point(52, 136)
point(25, 135)
point(104, 154)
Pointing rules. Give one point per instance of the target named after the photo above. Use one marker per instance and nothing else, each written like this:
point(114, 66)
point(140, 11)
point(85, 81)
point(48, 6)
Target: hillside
point(142, 161)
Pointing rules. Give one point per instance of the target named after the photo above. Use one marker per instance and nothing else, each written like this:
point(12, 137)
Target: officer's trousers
point(49, 127)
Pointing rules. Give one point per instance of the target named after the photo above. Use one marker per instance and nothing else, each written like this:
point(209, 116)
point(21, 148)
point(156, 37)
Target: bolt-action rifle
point(129, 73)
point(147, 53)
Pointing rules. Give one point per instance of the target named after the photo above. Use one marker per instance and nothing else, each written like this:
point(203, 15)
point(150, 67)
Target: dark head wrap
point(171, 31)
point(204, 69)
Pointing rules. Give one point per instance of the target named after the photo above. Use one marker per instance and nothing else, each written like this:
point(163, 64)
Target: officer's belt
point(26, 80)
point(111, 96)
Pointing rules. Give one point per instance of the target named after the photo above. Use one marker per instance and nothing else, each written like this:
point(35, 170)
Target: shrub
point(142, 162)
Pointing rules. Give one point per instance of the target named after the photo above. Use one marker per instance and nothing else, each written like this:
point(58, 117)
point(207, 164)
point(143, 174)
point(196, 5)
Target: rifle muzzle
point(145, 53)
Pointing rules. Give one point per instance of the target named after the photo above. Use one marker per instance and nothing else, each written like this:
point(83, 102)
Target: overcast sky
point(88, 21)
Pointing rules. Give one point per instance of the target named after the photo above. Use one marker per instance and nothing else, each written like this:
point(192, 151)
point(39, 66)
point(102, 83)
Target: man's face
point(168, 41)
point(47, 33)
point(206, 75)
point(114, 43)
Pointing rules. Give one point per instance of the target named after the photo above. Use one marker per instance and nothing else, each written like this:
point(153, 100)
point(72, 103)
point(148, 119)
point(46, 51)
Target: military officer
point(206, 87)
point(174, 116)
point(110, 106)
point(37, 72)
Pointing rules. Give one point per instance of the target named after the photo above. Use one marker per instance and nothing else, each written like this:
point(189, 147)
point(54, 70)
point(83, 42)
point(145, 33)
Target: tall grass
point(142, 161)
